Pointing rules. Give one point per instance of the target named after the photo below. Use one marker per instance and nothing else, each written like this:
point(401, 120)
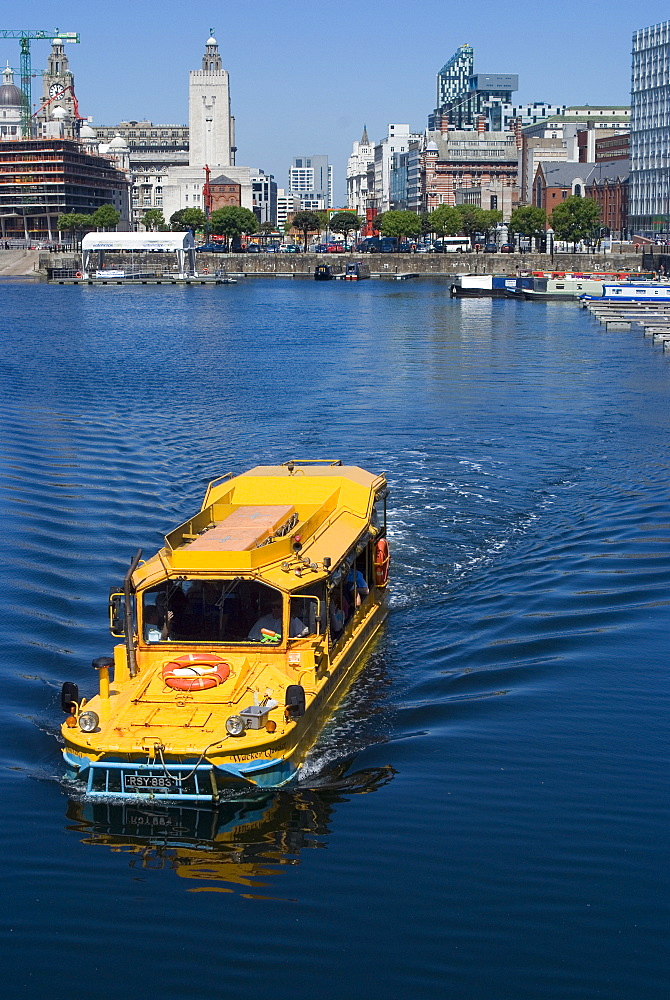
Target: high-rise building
point(464, 97)
point(311, 179)
point(649, 195)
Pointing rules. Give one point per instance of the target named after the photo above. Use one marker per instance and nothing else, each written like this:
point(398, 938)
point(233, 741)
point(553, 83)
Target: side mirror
point(116, 613)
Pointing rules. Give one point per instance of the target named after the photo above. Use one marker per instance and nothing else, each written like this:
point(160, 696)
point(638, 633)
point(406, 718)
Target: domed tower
point(58, 82)
point(211, 138)
point(11, 103)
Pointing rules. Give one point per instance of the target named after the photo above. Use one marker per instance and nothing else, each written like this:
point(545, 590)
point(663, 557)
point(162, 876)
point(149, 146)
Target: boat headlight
point(235, 725)
point(88, 722)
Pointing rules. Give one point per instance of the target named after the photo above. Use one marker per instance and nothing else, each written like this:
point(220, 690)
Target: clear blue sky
point(306, 75)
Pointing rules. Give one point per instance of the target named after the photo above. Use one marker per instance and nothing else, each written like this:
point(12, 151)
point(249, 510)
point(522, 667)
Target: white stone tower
point(210, 124)
point(56, 78)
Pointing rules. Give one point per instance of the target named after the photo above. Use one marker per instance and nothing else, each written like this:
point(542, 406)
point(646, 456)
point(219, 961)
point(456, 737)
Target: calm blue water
point(487, 816)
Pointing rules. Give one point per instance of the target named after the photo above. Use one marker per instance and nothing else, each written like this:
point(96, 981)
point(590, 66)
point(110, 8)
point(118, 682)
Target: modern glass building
point(649, 197)
point(463, 96)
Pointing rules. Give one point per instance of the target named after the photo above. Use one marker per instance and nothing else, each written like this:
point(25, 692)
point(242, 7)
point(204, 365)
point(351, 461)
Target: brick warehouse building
point(41, 179)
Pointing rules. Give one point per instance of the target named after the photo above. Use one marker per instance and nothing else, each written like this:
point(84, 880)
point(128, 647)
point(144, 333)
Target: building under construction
point(50, 165)
point(41, 179)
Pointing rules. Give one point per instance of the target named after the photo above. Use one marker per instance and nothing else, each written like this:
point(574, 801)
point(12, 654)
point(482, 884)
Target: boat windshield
point(196, 610)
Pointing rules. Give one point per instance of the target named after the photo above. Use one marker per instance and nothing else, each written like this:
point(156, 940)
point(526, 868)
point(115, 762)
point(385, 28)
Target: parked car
point(318, 248)
point(254, 248)
point(490, 248)
point(506, 248)
point(291, 248)
point(211, 248)
point(335, 248)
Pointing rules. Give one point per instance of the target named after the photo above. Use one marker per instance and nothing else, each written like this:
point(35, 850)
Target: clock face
point(55, 89)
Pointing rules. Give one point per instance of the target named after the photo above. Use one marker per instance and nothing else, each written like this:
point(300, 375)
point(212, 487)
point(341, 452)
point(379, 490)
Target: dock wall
point(270, 265)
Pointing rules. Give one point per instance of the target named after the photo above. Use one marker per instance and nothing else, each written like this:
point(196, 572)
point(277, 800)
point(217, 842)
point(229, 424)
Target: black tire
point(68, 696)
point(295, 701)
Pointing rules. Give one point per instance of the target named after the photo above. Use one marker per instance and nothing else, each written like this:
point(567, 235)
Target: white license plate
point(146, 782)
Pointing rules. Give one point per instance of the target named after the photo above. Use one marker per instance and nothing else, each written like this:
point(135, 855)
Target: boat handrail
point(215, 482)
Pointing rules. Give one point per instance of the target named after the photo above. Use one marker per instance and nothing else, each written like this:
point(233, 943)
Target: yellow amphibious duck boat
point(239, 636)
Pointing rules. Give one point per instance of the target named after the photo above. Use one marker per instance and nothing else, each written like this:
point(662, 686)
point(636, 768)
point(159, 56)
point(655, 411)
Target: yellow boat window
point(196, 610)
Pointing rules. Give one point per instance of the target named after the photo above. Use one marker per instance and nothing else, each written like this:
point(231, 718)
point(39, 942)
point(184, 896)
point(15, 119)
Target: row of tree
point(105, 217)
point(573, 219)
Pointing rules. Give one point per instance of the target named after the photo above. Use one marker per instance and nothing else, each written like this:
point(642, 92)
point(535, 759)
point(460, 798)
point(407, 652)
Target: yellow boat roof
point(248, 524)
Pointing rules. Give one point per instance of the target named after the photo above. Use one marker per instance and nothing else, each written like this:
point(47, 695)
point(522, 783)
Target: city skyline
point(312, 79)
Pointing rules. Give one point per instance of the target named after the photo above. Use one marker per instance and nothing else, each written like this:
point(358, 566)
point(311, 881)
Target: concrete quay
point(441, 266)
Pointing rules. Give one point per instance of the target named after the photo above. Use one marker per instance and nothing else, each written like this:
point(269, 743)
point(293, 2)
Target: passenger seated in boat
point(362, 589)
point(270, 625)
point(338, 615)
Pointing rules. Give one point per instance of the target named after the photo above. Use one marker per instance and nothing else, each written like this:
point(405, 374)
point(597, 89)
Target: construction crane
point(25, 38)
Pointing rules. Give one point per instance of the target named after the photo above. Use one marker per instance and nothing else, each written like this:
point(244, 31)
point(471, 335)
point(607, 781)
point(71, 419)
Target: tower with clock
point(57, 82)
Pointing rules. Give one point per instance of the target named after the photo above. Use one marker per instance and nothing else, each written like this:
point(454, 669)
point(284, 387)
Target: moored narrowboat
point(326, 272)
point(357, 270)
point(632, 291)
point(239, 637)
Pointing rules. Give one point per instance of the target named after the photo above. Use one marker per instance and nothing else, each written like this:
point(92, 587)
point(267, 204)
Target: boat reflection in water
point(242, 842)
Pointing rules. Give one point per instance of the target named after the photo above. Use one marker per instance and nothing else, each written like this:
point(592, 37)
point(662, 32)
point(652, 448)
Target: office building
point(464, 96)
point(362, 155)
point(287, 205)
point(311, 179)
point(462, 167)
point(649, 198)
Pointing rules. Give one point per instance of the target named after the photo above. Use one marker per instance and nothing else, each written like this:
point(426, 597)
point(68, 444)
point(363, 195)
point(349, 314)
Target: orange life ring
point(78, 274)
point(195, 672)
point(382, 560)
point(205, 270)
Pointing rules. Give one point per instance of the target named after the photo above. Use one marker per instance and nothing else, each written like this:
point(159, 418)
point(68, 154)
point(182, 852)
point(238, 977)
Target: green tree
point(395, 223)
point(233, 221)
point(106, 217)
point(306, 222)
point(153, 220)
point(528, 220)
point(267, 227)
point(490, 218)
point(75, 223)
point(575, 219)
point(345, 223)
point(187, 218)
point(445, 221)
point(324, 220)
point(425, 223)
point(473, 219)
point(377, 222)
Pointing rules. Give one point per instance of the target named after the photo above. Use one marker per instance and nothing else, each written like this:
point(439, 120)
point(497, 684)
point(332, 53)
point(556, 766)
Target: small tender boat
point(240, 636)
